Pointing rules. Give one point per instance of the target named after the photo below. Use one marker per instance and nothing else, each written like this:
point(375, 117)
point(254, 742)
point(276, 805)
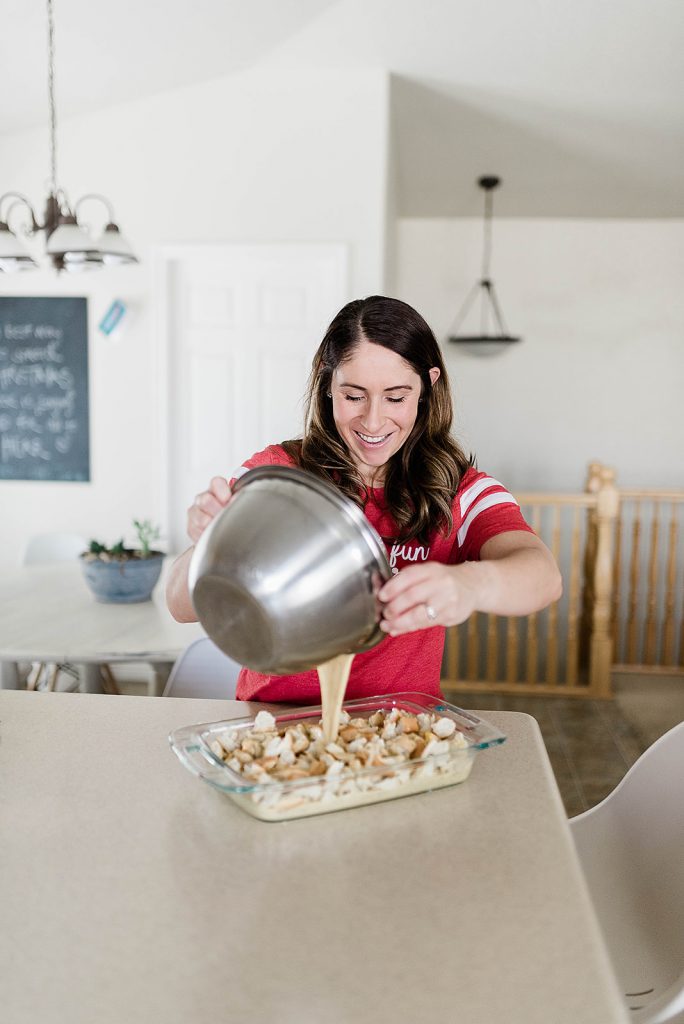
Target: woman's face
point(375, 404)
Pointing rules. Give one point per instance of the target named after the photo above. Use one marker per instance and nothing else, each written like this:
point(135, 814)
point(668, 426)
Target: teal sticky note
point(112, 317)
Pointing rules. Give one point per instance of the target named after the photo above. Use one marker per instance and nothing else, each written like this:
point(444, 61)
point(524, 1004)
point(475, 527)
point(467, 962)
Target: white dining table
point(133, 892)
point(48, 614)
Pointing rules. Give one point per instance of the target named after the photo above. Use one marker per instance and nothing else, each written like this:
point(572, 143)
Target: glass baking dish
point(196, 747)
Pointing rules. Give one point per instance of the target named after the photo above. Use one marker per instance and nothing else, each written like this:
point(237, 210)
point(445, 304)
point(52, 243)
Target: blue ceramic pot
point(124, 582)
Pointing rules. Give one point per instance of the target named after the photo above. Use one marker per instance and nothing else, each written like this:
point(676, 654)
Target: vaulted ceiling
point(577, 104)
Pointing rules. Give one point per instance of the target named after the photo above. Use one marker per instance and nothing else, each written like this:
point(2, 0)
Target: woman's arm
point(177, 590)
point(516, 575)
point(204, 508)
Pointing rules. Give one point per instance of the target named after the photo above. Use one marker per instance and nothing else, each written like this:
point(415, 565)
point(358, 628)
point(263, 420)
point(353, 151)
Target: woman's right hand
point(207, 506)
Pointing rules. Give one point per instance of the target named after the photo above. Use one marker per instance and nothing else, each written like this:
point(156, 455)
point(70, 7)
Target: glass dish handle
point(189, 749)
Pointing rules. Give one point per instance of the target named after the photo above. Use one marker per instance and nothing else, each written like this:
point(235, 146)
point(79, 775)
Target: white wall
point(600, 372)
point(256, 157)
point(296, 157)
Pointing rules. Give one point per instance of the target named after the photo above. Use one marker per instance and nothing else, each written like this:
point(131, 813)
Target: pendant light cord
point(51, 98)
point(485, 286)
point(487, 234)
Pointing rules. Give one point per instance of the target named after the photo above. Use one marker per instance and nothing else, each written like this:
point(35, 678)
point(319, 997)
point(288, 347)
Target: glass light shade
point(14, 256)
point(116, 250)
point(74, 246)
point(78, 266)
point(484, 345)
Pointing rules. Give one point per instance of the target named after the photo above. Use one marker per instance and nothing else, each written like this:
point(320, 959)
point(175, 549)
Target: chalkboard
point(44, 428)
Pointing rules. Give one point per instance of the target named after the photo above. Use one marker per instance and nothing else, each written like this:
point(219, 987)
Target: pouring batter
point(378, 427)
point(333, 676)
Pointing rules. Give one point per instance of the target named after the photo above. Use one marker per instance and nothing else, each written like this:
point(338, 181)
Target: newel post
point(591, 486)
point(601, 642)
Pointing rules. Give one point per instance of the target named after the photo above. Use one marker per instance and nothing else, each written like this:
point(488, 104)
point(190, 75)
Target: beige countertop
point(133, 893)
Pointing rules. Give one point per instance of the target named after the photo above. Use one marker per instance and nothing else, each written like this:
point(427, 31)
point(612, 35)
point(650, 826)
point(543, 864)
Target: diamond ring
point(430, 612)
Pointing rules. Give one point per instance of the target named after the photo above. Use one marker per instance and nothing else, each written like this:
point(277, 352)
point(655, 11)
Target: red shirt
point(481, 509)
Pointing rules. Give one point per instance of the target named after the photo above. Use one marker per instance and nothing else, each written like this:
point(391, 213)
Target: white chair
point(631, 847)
point(202, 670)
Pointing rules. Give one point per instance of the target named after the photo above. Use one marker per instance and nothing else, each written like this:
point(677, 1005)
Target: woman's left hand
point(516, 575)
point(430, 594)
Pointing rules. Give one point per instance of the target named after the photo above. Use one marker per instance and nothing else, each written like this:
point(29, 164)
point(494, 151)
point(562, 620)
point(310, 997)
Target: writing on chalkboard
point(43, 389)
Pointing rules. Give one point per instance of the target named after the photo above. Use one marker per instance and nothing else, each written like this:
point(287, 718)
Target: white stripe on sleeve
point(469, 496)
point(500, 498)
point(240, 471)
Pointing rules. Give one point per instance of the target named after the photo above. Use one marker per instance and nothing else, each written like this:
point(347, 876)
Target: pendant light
point(69, 244)
point(484, 343)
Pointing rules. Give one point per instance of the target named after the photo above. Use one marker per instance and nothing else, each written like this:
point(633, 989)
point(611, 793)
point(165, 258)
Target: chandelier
point(69, 243)
point(484, 343)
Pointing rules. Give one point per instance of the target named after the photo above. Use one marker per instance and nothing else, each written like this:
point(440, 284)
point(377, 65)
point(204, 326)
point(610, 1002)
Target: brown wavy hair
point(422, 478)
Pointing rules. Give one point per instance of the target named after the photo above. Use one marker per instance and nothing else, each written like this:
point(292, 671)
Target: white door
point(241, 323)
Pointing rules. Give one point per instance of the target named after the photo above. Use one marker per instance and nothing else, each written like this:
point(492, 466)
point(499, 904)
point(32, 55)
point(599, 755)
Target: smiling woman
point(374, 420)
point(378, 427)
point(380, 414)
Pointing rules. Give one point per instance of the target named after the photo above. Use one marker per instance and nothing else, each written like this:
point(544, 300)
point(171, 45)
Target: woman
point(378, 426)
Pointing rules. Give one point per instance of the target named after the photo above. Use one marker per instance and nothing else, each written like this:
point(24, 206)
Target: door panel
point(243, 325)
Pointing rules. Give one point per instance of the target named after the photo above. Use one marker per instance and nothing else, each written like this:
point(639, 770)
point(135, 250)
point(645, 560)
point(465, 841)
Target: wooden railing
point(607, 613)
point(648, 582)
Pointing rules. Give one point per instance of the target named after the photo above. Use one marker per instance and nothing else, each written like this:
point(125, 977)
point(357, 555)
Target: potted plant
point(121, 575)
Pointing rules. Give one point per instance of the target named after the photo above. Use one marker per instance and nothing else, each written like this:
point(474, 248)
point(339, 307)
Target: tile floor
point(591, 744)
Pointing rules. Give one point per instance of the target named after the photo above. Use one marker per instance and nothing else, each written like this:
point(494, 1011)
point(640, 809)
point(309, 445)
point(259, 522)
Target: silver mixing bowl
point(286, 576)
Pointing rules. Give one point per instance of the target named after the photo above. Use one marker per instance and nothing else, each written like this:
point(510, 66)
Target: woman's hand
point(516, 575)
point(207, 506)
point(204, 508)
point(429, 594)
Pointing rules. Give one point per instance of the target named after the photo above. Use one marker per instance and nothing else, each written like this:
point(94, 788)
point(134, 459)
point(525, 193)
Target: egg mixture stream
point(333, 676)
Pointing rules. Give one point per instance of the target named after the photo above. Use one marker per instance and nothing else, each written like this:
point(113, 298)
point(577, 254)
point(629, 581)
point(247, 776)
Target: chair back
point(54, 547)
point(631, 847)
point(202, 670)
